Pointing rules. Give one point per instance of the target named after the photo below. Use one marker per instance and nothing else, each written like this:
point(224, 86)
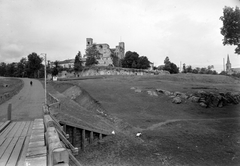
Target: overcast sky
point(186, 31)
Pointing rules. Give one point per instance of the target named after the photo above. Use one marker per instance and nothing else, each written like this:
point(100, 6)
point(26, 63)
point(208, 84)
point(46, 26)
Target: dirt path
point(27, 104)
point(154, 126)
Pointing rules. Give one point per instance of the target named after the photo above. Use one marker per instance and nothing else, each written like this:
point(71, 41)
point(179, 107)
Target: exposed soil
point(184, 134)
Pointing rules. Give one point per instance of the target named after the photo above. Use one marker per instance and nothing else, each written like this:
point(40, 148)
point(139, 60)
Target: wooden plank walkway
point(19, 145)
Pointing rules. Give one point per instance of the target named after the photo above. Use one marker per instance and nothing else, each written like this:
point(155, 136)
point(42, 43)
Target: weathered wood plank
point(16, 152)
point(7, 130)
point(26, 127)
point(30, 129)
point(4, 125)
point(24, 151)
point(1, 141)
point(14, 129)
point(39, 161)
point(40, 151)
point(4, 146)
point(20, 129)
point(36, 144)
point(8, 151)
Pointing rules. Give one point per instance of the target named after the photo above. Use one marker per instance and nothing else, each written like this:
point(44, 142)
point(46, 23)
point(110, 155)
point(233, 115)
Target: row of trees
point(198, 70)
point(27, 67)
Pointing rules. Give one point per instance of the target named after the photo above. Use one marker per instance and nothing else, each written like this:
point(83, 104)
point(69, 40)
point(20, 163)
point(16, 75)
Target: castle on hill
point(106, 51)
point(229, 69)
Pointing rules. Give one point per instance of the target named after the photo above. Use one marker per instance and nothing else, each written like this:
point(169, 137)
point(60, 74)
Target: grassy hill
point(172, 134)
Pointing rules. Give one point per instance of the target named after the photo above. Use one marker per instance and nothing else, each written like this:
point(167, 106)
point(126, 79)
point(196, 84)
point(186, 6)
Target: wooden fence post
point(100, 136)
point(91, 137)
point(74, 142)
point(9, 111)
point(83, 139)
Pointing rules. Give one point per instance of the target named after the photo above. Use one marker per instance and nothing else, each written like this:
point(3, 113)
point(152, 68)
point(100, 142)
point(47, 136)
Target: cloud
point(186, 31)
point(10, 52)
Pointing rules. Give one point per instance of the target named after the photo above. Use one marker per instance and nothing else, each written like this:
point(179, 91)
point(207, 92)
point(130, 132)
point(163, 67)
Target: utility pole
point(45, 76)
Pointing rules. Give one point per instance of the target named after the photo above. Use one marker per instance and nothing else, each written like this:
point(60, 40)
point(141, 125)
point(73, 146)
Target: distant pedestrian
point(31, 83)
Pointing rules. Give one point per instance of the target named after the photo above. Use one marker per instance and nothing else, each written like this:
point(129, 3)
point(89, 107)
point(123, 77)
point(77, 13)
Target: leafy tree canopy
point(231, 27)
point(132, 60)
point(169, 66)
point(92, 55)
point(91, 60)
point(34, 64)
point(78, 62)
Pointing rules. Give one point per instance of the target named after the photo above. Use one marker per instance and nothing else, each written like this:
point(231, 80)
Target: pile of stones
point(205, 99)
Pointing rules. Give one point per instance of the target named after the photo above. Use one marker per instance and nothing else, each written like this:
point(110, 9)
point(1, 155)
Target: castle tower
point(228, 64)
point(121, 50)
point(89, 42)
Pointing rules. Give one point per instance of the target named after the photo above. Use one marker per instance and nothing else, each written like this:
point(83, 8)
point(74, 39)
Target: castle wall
point(106, 51)
point(105, 58)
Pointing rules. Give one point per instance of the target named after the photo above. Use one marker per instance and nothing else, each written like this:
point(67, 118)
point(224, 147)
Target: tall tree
point(34, 64)
point(130, 60)
point(78, 62)
point(92, 55)
point(22, 70)
point(55, 69)
point(231, 27)
point(143, 62)
point(3, 67)
point(169, 66)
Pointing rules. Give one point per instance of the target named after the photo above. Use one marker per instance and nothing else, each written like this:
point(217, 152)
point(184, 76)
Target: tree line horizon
point(32, 65)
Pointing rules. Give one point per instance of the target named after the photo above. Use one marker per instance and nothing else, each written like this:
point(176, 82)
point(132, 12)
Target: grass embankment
point(140, 109)
point(184, 134)
point(9, 87)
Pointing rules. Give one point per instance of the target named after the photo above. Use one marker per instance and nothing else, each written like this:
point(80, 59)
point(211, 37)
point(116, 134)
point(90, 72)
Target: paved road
point(27, 104)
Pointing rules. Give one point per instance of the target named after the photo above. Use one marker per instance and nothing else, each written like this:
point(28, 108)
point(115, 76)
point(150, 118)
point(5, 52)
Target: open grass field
point(172, 134)
point(9, 87)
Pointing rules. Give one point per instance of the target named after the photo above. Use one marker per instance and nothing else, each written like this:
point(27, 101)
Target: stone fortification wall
point(96, 71)
point(119, 71)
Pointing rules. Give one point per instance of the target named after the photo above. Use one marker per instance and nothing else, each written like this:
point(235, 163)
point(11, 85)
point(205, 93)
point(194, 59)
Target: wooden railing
point(60, 150)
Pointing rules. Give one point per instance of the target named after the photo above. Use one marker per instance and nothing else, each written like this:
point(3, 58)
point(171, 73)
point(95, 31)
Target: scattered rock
point(194, 98)
point(183, 95)
point(152, 93)
point(5, 85)
point(177, 94)
point(203, 105)
point(177, 100)
point(167, 93)
point(138, 134)
point(138, 90)
point(160, 90)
